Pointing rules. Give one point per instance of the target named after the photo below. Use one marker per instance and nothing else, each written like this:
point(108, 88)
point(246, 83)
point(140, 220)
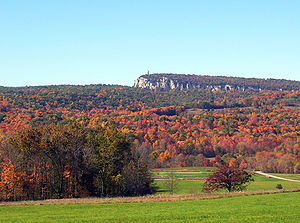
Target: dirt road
point(272, 176)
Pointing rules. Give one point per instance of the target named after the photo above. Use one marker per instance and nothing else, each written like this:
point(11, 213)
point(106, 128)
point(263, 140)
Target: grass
point(264, 183)
point(184, 206)
point(182, 187)
point(282, 207)
point(288, 176)
point(185, 173)
point(190, 180)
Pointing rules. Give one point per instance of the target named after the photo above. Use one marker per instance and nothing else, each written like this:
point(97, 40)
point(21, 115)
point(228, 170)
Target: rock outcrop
point(163, 83)
point(169, 81)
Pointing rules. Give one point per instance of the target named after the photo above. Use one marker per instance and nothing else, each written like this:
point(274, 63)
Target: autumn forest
point(155, 128)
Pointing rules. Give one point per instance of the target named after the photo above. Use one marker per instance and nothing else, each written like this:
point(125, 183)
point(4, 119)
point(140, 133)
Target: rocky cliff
point(215, 83)
point(163, 83)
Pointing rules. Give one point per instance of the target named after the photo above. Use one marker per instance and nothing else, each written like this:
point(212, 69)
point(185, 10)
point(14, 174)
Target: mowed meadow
point(281, 207)
point(189, 180)
point(260, 203)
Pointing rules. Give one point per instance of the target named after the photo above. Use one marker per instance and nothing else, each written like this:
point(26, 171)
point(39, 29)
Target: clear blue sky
point(114, 42)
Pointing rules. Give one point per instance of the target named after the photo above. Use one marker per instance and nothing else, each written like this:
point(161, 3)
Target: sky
point(114, 42)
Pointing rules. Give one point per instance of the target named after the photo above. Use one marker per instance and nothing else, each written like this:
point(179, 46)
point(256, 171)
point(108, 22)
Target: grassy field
point(190, 180)
point(288, 176)
point(282, 207)
point(183, 173)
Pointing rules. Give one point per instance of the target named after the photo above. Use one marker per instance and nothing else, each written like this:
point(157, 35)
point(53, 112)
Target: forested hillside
point(171, 128)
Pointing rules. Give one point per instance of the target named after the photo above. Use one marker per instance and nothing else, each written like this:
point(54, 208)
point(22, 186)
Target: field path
point(272, 176)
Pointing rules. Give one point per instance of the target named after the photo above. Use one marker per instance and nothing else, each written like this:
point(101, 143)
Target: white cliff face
point(170, 81)
point(170, 84)
point(142, 82)
point(227, 87)
point(164, 83)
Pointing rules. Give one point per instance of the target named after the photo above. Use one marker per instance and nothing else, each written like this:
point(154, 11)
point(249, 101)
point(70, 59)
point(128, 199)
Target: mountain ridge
point(170, 81)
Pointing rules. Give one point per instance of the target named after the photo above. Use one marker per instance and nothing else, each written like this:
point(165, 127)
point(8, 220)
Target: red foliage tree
point(231, 178)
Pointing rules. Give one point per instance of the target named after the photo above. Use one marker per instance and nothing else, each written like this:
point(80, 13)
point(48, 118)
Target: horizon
point(100, 42)
point(109, 84)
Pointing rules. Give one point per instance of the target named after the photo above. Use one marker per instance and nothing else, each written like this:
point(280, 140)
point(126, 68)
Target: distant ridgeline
point(169, 81)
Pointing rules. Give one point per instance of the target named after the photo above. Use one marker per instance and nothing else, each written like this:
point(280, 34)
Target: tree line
point(64, 161)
